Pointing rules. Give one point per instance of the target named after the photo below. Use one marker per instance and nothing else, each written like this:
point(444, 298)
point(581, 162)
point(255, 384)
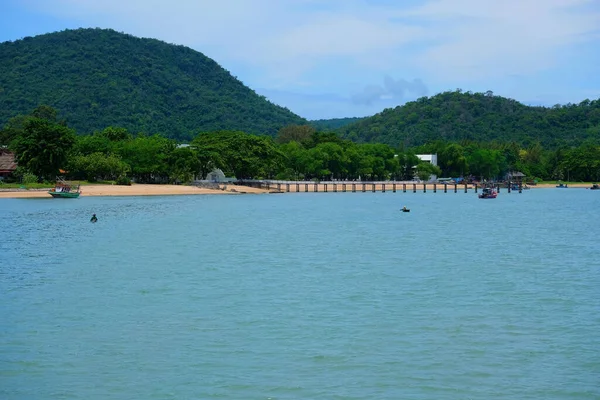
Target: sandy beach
point(136, 190)
point(164, 190)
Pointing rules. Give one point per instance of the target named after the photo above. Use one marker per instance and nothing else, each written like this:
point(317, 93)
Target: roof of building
point(7, 161)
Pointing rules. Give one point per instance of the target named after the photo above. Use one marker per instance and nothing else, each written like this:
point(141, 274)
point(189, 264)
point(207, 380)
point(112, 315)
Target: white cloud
point(390, 90)
point(495, 38)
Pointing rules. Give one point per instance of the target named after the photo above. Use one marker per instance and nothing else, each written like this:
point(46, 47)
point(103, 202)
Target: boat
point(488, 193)
point(595, 187)
point(405, 209)
point(562, 185)
point(64, 190)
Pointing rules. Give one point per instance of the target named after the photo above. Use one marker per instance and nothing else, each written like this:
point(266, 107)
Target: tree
point(452, 160)
point(16, 125)
point(296, 133)
point(425, 170)
point(486, 163)
point(407, 163)
point(43, 146)
point(98, 166)
point(46, 112)
point(115, 134)
point(238, 153)
point(148, 157)
point(294, 156)
point(13, 128)
point(184, 164)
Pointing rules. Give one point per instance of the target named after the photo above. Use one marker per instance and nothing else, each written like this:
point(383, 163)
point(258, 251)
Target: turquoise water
point(301, 296)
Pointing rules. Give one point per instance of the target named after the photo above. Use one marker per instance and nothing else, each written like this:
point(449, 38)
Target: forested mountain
point(456, 116)
point(324, 125)
point(97, 78)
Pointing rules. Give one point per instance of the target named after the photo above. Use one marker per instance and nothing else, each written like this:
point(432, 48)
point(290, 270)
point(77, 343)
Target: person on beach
point(94, 219)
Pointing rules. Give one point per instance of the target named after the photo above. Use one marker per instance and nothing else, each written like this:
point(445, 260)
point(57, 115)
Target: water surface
point(301, 296)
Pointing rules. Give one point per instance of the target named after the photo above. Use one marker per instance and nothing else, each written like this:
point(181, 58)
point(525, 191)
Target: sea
point(333, 296)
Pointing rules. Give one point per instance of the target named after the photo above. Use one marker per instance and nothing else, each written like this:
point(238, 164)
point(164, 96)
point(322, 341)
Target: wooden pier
point(363, 187)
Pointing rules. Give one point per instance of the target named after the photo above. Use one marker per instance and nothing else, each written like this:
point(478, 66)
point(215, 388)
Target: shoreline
point(135, 190)
point(171, 190)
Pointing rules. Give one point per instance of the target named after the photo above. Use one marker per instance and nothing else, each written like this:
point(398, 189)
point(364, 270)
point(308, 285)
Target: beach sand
point(163, 190)
point(136, 190)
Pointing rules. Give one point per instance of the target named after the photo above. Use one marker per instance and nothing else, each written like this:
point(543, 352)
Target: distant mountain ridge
point(99, 77)
point(456, 116)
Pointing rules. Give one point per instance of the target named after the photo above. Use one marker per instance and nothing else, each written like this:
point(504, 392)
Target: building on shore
point(8, 164)
point(431, 159)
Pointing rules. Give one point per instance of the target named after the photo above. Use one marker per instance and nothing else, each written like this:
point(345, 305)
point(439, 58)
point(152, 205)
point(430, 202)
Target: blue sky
point(346, 58)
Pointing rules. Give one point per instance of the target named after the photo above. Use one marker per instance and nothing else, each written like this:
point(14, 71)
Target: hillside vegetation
point(325, 125)
point(458, 116)
point(98, 78)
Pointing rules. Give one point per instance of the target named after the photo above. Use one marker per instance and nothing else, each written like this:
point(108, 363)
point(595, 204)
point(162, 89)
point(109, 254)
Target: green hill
point(97, 78)
point(325, 125)
point(455, 116)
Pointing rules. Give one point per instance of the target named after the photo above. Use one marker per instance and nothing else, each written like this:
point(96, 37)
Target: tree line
point(45, 146)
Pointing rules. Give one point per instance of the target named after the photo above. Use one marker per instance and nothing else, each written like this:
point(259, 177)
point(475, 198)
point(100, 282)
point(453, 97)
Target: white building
point(430, 158)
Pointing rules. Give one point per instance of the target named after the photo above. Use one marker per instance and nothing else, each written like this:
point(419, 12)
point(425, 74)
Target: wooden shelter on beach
point(8, 164)
point(515, 177)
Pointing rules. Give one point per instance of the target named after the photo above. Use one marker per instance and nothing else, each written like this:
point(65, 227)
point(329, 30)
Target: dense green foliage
point(99, 78)
point(40, 142)
point(482, 117)
point(42, 145)
point(323, 125)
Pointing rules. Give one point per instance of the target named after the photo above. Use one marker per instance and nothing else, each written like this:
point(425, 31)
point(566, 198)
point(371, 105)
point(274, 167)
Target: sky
point(353, 58)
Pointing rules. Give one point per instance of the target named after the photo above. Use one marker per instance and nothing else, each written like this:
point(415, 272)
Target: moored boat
point(64, 190)
point(488, 193)
point(562, 185)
